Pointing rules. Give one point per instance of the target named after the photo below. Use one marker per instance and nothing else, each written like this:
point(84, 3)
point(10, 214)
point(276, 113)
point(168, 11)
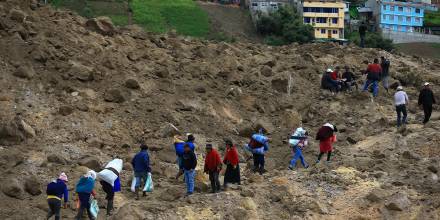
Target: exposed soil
point(427, 50)
point(74, 93)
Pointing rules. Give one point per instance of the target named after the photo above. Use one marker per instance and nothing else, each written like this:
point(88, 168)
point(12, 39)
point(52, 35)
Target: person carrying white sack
point(109, 179)
point(141, 168)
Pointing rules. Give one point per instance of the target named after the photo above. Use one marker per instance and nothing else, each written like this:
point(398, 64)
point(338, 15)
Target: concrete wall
point(402, 37)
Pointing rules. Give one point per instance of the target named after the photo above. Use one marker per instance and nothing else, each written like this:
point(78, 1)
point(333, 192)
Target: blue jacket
point(141, 162)
point(261, 150)
point(192, 146)
point(85, 185)
point(59, 189)
point(179, 148)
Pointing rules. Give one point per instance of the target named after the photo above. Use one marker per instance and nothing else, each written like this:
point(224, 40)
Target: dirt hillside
point(74, 93)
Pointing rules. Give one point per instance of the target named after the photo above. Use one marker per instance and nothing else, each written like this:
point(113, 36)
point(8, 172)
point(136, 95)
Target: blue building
point(397, 16)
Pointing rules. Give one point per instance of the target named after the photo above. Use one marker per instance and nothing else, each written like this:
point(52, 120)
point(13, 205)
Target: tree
point(284, 26)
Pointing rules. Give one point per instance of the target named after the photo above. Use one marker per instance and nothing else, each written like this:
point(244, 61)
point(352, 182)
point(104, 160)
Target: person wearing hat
point(327, 82)
point(374, 70)
point(85, 189)
point(213, 166)
point(400, 101)
point(189, 163)
point(141, 168)
point(57, 190)
point(326, 138)
point(426, 99)
point(232, 173)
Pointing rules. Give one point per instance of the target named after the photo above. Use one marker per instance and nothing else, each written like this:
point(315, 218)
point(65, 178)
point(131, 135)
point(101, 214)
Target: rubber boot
point(109, 207)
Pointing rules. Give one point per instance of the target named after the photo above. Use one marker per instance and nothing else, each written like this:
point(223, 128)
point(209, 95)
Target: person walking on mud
point(213, 166)
point(189, 162)
point(326, 138)
point(232, 173)
point(298, 141)
point(141, 168)
point(57, 190)
point(426, 100)
point(258, 146)
point(85, 189)
point(373, 76)
point(400, 101)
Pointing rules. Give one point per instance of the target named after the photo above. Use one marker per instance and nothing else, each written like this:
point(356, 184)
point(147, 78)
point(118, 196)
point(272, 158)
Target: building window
point(264, 4)
point(323, 31)
point(384, 7)
point(383, 17)
point(334, 20)
point(400, 18)
point(418, 10)
point(400, 9)
point(321, 20)
point(391, 8)
point(306, 20)
point(255, 4)
point(417, 20)
point(335, 31)
point(391, 17)
point(408, 19)
point(408, 9)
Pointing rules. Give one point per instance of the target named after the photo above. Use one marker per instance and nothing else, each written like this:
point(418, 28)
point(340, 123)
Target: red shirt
point(374, 68)
point(325, 145)
point(212, 161)
point(231, 156)
point(334, 75)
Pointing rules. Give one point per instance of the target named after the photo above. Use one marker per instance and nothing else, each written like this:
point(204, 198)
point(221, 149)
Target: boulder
point(56, 158)
point(410, 155)
point(266, 71)
point(81, 72)
point(280, 84)
point(91, 163)
point(248, 204)
point(25, 72)
point(292, 119)
point(265, 125)
point(398, 202)
point(171, 194)
point(65, 110)
point(114, 95)
point(433, 169)
point(128, 212)
point(247, 193)
point(102, 25)
point(33, 186)
point(17, 15)
point(375, 195)
point(351, 140)
point(14, 131)
point(241, 214)
point(162, 72)
point(132, 84)
point(13, 188)
point(200, 89)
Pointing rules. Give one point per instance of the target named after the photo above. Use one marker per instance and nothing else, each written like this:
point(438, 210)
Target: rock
point(28, 130)
point(17, 15)
point(241, 214)
point(171, 194)
point(65, 110)
point(264, 124)
point(169, 130)
point(266, 71)
point(13, 132)
point(410, 155)
point(81, 72)
point(200, 89)
point(375, 195)
point(292, 119)
point(246, 130)
point(82, 107)
point(12, 188)
point(248, 204)
point(280, 84)
point(128, 212)
point(132, 84)
point(247, 193)
point(398, 202)
point(114, 95)
point(351, 140)
point(33, 186)
point(127, 166)
point(102, 25)
point(162, 72)
point(24, 71)
point(95, 143)
point(56, 158)
point(433, 169)
point(91, 163)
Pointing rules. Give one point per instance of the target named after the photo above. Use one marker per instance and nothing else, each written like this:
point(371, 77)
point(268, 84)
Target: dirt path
point(230, 21)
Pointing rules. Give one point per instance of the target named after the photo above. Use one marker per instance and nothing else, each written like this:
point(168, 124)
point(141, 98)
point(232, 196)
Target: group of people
point(336, 82)
point(401, 101)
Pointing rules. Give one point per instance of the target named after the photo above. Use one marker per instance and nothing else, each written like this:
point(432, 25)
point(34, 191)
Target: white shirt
point(400, 98)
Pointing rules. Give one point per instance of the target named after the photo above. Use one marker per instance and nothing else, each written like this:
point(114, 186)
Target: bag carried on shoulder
point(257, 141)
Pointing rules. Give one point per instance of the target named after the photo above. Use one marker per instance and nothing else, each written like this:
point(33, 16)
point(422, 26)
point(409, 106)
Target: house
point(326, 17)
point(266, 6)
point(397, 16)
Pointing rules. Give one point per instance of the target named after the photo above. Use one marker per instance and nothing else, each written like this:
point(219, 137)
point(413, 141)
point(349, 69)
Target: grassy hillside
point(158, 16)
point(432, 18)
point(428, 50)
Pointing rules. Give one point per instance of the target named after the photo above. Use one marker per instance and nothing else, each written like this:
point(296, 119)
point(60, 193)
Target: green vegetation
point(372, 40)
point(284, 26)
point(354, 13)
point(158, 16)
point(432, 18)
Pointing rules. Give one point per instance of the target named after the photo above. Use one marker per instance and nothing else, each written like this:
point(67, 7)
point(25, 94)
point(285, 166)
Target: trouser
point(427, 109)
point(84, 206)
point(141, 178)
point(348, 85)
point(362, 41)
point(108, 189)
point(215, 182)
point(373, 83)
point(385, 82)
point(54, 208)
point(401, 109)
point(298, 155)
point(258, 162)
point(189, 180)
point(329, 154)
